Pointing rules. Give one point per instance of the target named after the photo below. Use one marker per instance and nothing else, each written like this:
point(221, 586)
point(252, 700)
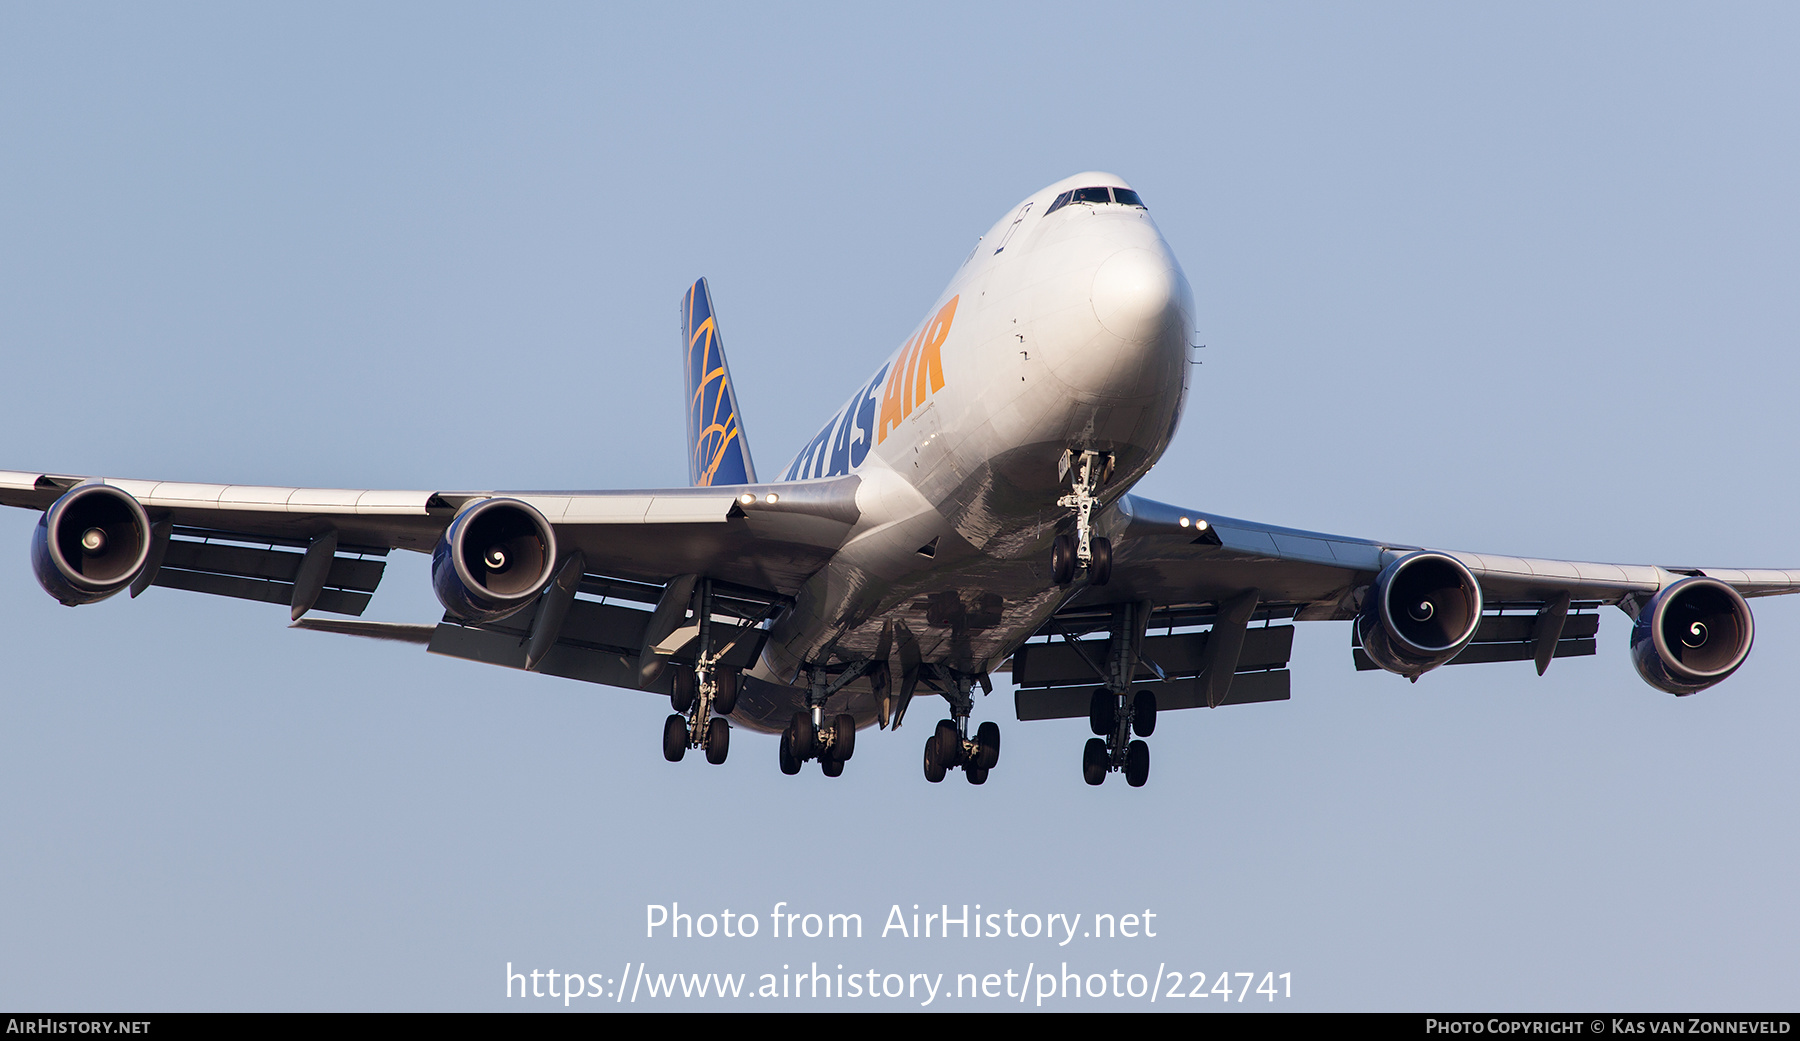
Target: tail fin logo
point(717, 452)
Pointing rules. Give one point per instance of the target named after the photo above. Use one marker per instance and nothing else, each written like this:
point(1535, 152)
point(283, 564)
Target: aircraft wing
point(1212, 558)
point(1180, 568)
point(325, 549)
point(766, 537)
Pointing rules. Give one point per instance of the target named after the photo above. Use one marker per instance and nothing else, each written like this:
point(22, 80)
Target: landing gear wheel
point(975, 774)
point(1137, 764)
point(832, 767)
point(790, 764)
point(1094, 761)
point(949, 743)
point(1100, 711)
point(843, 738)
point(725, 692)
point(800, 736)
point(987, 739)
point(681, 691)
point(1100, 568)
point(1143, 713)
point(675, 738)
point(718, 740)
point(934, 768)
point(1062, 560)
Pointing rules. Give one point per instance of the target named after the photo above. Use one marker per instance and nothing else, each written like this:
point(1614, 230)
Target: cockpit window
point(1110, 196)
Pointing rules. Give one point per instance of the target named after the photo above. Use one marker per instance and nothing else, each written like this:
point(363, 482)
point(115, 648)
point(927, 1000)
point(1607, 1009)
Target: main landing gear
point(1087, 472)
point(1113, 718)
point(701, 702)
point(1114, 712)
point(704, 695)
point(832, 746)
point(810, 735)
point(950, 746)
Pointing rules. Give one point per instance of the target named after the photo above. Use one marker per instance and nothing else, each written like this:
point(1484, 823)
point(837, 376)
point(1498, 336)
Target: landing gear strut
point(703, 695)
point(950, 746)
point(1115, 714)
point(1115, 718)
point(810, 735)
point(1087, 472)
point(698, 720)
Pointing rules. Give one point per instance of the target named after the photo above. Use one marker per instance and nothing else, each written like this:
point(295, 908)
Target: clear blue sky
point(1517, 278)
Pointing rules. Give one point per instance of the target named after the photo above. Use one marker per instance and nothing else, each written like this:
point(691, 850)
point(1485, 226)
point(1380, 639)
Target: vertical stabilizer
point(717, 451)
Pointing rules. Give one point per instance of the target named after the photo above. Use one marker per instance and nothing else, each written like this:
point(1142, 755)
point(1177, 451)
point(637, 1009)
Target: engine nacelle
point(494, 559)
point(1422, 611)
point(90, 544)
point(1691, 635)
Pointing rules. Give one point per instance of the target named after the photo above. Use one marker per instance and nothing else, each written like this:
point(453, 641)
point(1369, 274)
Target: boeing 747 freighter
point(966, 512)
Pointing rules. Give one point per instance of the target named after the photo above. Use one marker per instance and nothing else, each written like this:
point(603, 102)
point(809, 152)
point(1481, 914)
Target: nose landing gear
point(1087, 472)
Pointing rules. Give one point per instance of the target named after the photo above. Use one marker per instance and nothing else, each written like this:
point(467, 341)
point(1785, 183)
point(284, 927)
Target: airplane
point(966, 512)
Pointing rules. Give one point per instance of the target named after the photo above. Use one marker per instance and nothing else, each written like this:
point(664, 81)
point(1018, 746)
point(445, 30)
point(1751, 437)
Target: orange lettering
point(907, 398)
point(892, 414)
point(931, 363)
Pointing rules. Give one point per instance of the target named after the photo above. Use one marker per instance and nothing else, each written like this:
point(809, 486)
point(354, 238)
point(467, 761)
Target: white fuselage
point(1062, 330)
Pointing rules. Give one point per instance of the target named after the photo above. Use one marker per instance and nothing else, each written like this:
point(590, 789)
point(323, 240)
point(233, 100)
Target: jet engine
point(1691, 635)
point(494, 559)
point(1422, 611)
point(90, 544)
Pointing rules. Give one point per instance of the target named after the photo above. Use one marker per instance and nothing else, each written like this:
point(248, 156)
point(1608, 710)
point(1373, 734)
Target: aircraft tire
point(949, 743)
point(789, 764)
point(800, 736)
point(1100, 711)
point(843, 738)
point(718, 740)
point(1094, 761)
point(934, 769)
point(832, 767)
point(1062, 560)
point(681, 689)
point(1137, 764)
point(726, 692)
point(675, 738)
point(988, 740)
point(1143, 713)
point(976, 774)
point(1100, 571)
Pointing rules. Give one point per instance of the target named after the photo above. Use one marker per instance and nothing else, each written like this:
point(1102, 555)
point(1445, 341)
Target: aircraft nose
point(1134, 292)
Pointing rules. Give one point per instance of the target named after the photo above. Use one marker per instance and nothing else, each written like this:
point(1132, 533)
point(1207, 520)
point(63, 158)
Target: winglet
point(717, 451)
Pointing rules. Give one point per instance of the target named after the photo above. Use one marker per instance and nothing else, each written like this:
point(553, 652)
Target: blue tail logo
point(717, 451)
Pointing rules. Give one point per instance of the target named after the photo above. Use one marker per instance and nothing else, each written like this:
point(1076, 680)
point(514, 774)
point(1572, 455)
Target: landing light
point(769, 498)
point(1200, 525)
point(747, 498)
point(1184, 522)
